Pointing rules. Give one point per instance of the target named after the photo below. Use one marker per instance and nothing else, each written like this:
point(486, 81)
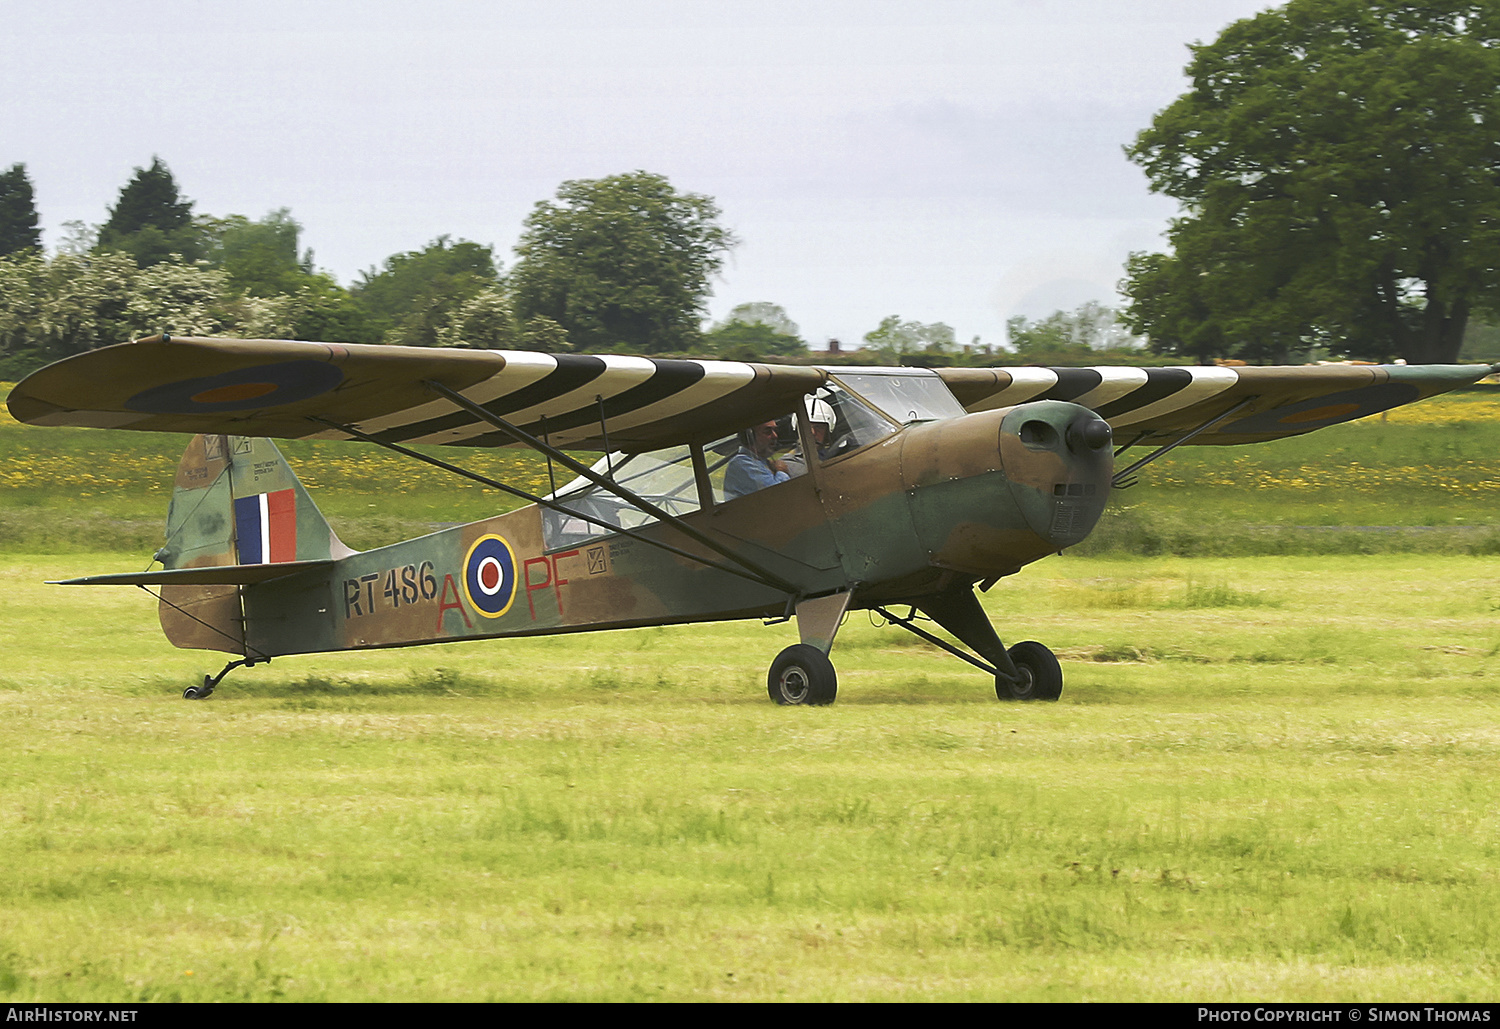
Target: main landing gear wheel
point(802, 674)
point(1041, 675)
point(200, 692)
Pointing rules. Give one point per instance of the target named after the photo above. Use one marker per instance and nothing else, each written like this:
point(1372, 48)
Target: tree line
point(155, 265)
point(620, 264)
point(1337, 163)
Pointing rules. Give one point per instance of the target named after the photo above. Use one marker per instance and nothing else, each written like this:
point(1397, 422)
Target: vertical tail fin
point(235, 501)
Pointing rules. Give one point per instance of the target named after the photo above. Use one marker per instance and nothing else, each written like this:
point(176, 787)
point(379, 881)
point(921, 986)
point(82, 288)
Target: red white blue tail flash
point(266, 525)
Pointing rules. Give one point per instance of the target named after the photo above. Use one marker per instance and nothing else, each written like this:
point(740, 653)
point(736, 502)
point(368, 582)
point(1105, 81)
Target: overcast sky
point(944, 161)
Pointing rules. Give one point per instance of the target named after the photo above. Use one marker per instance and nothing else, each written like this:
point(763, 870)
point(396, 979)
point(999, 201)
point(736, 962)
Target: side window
point(663, 477)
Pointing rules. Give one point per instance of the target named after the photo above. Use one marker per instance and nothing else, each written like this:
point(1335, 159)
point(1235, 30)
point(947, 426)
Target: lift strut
point(520, 435)
point(1126, 479)
point(532, 498)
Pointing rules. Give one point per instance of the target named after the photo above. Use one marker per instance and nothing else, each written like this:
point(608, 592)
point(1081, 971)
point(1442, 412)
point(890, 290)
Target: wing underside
point(293, 390)
point(297, 390)
point(1161, 405)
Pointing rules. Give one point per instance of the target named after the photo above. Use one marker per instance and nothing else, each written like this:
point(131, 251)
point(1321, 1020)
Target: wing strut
point(544, 502)
point(764, 575)
point(1124, 480)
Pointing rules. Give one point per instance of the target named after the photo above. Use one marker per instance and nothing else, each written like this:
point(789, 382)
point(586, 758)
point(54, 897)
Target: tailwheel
point(1039, 674)
point(212, 681)
point(802, 674)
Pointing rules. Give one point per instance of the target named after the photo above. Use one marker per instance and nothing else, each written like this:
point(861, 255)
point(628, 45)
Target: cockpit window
point(664, 477)
point(907, 394)
point(868, 405)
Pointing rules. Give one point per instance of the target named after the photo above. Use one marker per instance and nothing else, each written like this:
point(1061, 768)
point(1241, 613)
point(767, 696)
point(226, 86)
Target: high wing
point(293, 390)
point(278, 388)
point(1162, 405)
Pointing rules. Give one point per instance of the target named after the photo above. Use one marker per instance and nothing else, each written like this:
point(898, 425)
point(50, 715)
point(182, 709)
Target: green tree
point(483, 322)
point(20, 311)
point(899, 342)
point(761, 312)
point(752, 341)
point(622, 262)
point(414, 298)
point(1337, 165)
point(50, 309)
point(18, 217)
point(755, 331)
point(1081, 336)
point(1481, 342)
point(277, 294)
point(84, 303)
point(542, 333)
point(151, 220)
point(176, 297)
point(260, 257)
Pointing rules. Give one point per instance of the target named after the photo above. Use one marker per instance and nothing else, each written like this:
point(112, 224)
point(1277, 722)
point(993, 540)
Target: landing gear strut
point(1026, 671)
point(802, 673)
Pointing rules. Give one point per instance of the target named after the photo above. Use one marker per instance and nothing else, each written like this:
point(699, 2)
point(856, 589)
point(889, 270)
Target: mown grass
point(1289, 797)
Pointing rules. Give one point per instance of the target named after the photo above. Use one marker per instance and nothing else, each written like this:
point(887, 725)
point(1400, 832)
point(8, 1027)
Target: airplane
point(898, 488)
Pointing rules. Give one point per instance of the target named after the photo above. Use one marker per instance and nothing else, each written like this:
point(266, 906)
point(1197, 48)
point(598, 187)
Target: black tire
point(1041, 675)
point(802, 674)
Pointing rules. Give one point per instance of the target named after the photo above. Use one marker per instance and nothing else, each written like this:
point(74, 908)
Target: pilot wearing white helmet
point(820, 422)
point(820, 419)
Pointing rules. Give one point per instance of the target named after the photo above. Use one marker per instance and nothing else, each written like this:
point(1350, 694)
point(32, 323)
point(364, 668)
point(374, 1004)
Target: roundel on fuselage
point(490, 576)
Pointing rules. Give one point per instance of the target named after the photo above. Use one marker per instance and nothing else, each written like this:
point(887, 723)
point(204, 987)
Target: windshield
point(856, 423)
point(906, 394)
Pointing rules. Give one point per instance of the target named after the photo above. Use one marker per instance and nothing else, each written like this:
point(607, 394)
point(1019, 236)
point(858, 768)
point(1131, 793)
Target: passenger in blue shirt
point(753, 468)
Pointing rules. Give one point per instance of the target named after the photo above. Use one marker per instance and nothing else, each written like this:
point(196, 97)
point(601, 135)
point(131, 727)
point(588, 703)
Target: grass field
point(1271, 776)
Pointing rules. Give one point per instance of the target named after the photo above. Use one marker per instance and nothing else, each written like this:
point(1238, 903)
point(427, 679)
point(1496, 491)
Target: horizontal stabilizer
point(221, 575)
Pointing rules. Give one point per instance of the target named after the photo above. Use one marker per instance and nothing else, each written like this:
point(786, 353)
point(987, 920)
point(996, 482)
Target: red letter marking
point(549, 571)
point(457, 604)
point(558, 584)
point(532, 587)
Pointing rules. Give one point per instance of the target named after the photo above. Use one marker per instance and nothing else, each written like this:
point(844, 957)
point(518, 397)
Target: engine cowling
point(993, 491)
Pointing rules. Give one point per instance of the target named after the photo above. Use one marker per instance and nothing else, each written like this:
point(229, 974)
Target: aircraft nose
point(1058, 462)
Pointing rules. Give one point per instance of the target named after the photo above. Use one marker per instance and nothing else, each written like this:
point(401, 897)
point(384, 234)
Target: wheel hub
point(794, 685)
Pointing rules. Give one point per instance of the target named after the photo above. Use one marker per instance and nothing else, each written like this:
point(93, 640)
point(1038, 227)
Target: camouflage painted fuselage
point(935, 506)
